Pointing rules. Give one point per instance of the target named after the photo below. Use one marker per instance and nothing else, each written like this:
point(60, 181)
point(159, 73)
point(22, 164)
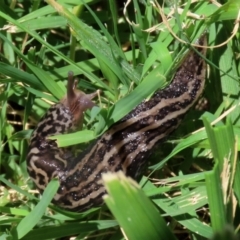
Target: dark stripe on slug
point(73, 195)
point(166, 126)
point(92, 202)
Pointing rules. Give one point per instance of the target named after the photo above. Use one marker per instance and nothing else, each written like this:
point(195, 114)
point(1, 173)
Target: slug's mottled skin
point(125, 146)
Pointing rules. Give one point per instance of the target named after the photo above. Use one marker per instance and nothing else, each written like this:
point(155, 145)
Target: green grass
point(191, 187)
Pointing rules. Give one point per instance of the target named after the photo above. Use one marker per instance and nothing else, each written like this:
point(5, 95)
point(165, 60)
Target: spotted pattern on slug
point(126, 146)
point(52, 157)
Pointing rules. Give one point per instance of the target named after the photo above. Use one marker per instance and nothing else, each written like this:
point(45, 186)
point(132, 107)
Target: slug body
point(126, 146)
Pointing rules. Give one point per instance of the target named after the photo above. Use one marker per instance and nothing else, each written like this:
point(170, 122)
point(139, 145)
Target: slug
point(125, 147)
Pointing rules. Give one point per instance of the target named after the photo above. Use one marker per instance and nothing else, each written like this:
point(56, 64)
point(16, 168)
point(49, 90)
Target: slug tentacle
point(125, 146)
point(77, 101)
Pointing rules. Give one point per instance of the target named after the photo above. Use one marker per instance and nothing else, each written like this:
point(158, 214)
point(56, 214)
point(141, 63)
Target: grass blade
point(134, 211)
point(32, 219)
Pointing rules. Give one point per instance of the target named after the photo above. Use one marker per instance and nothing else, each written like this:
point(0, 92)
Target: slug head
point(77, 101)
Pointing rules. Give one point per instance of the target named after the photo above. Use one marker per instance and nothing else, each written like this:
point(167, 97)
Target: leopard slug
point(126, 146)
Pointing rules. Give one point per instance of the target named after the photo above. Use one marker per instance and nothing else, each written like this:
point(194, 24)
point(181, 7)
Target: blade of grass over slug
point(74, 138)
point(28, 222)
point(220, 181)
point(143, 90)
point(133, 210)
